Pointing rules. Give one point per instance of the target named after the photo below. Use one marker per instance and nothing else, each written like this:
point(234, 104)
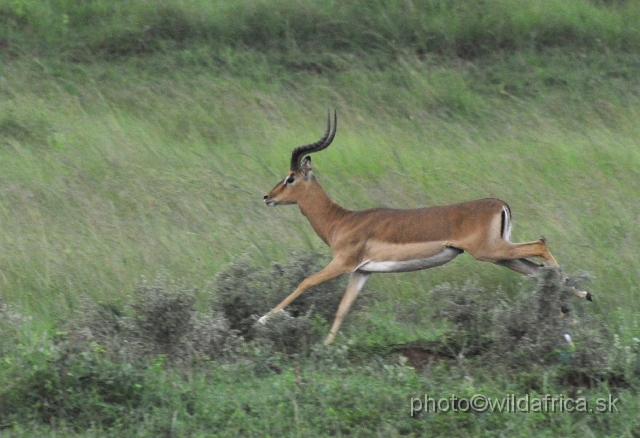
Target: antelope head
point(297, 181)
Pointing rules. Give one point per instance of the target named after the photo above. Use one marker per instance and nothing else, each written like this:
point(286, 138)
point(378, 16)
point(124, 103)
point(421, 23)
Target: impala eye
point(290, 180)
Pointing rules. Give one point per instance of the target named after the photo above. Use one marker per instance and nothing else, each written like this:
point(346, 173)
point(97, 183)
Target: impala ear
point(306, 166)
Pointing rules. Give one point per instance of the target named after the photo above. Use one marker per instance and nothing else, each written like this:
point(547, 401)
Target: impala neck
point(320, 210)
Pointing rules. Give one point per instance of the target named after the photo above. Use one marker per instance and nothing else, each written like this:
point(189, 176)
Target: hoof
point(564, 310)
point(329, 339)
point(589, 297)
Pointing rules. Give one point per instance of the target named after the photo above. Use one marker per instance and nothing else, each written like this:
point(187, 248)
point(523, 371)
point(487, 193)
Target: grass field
point(138, 138)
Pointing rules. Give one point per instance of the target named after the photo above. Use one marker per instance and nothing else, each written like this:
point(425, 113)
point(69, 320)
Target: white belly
point(441, 258)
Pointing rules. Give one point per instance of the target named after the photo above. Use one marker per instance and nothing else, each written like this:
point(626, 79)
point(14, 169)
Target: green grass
point(136, 137)
point(120, 178)
point(293, 28)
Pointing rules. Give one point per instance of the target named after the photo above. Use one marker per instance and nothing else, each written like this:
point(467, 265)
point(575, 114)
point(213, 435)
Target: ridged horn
point(299, 152)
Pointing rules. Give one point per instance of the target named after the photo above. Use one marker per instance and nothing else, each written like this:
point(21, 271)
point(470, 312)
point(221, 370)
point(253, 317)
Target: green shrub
point(244, 292)
point(288, 334)
point(531, 329)
point(163, 314)
point(59, 382)
point(469, 307)
point(163, 320)
point(94, 372)
point(527, 330)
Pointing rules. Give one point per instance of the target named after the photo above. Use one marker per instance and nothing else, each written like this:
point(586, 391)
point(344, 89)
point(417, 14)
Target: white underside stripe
point(441, 258)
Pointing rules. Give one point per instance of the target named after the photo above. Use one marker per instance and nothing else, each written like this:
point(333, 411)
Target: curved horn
point(323, 143)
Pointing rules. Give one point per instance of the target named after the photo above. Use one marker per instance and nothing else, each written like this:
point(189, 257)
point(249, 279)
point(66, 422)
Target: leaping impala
point(391, 240)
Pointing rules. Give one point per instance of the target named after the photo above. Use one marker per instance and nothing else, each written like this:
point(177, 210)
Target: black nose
point(265, 196)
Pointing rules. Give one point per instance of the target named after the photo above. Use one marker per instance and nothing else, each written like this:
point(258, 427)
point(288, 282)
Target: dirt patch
point(419, 355)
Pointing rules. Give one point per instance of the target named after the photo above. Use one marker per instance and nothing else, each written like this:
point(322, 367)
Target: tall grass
point(106, 181)
point(303, 29)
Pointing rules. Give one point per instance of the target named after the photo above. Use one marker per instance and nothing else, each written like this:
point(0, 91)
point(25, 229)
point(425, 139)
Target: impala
point(391, 240)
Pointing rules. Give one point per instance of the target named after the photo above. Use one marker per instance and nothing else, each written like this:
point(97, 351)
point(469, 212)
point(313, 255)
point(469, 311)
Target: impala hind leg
point(356, 282)
point(333, 270)
point(527, 267)
point(531, 249)
point(503, 250)
point(522, 266)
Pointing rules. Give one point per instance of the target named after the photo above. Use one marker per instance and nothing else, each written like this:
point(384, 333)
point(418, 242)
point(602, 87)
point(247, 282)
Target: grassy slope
point(117, 177)
point(115, 165)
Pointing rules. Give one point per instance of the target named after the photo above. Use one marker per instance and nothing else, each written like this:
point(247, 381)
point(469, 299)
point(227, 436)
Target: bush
point(531, 329)
point(95, 371)
point(288, 334)
point(163, 315)
point(59, 381)
point(162, 320)
point(528, 330)
point(244, 292)
point(469, 308)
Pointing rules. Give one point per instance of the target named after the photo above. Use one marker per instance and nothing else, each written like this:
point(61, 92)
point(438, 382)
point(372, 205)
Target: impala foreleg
point(333, 270)
point(356, 282)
